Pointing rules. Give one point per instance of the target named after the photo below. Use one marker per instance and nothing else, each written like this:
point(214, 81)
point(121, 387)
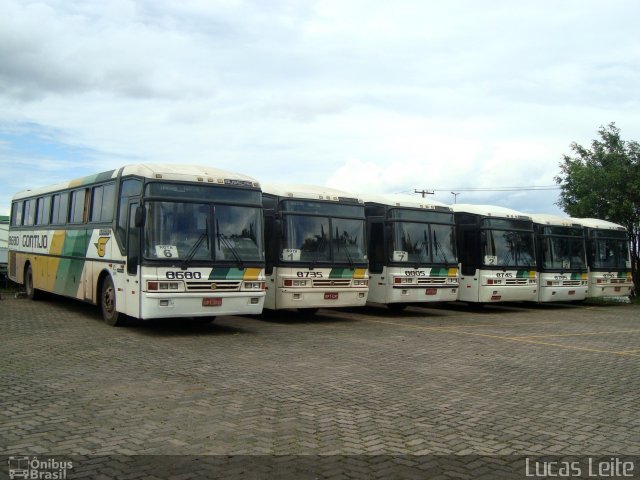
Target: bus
point(608, 258)
point(315, 248)
point(412, 251)
point(145, 241)
point(561, 259)
point(496, 251)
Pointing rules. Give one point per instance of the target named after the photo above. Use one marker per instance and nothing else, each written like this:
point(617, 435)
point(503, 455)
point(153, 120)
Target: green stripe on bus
point(226, 273)
point(341, 273)
point(70, 269)
point(75, 243)
point(523, 274)
point(439, 272)
point(68, 276)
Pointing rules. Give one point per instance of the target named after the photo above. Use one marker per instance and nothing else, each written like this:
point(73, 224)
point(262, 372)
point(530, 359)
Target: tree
point(604, 182)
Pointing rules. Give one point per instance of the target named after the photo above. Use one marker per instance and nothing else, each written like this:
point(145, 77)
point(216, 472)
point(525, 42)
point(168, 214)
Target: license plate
point(211, 302)
point(330, 295)
point(572, 292)
point(617, 289)
point(431, 291)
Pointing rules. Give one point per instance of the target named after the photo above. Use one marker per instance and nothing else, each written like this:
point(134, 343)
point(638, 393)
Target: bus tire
point(110, 315)
point(31, 292)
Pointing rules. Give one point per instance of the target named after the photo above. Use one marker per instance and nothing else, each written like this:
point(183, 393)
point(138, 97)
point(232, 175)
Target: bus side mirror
point(139, 216)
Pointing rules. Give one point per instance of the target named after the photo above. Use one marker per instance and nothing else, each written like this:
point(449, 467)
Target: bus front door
point(132, 277)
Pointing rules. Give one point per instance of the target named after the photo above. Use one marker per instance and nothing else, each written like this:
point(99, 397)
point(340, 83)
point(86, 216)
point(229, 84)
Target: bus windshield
point(563, 253)
point(315, 239)
point(610, 253)
point(422, 243)
point(202, 232)
point(507, 248)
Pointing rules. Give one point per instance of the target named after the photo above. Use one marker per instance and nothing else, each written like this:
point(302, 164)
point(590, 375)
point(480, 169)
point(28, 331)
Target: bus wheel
point(108, 303)
point(31, 292)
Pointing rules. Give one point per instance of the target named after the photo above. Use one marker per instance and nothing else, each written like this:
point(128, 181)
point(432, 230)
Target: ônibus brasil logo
point(33, 468)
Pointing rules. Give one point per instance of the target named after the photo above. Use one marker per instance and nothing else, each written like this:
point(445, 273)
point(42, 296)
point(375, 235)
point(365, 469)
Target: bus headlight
point(403, 280)
point(254, 285)
point(164, 287)
point(360, 283)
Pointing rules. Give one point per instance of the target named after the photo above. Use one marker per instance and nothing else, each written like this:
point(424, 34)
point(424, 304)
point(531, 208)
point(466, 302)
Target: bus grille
point(432, 281)
point(571, 283)
point(332, 283)
point(516, 281)
point(219, 286)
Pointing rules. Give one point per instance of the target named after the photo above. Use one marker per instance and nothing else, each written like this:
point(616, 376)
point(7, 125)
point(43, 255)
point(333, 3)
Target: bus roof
point(489, 211)
point(597, 223)
point(400, 200)
point(310, 192)
point(547, 219)
point(175, 172)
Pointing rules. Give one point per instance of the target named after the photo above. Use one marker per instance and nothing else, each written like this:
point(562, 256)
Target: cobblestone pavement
point(452, 380)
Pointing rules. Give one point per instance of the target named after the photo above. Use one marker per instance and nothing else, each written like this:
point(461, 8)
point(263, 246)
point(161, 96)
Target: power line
point(495, 189)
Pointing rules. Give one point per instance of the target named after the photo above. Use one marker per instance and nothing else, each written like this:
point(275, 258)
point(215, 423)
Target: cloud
point(359, 94)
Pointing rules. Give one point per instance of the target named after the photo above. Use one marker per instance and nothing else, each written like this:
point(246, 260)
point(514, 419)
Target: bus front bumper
point(321, 298)
point(154, 305)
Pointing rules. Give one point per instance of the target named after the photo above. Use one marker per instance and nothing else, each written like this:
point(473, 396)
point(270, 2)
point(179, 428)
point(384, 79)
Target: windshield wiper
point(227, 243)
point(321, 243)
point(436, 243)
point(346, 249)
point(194, 249)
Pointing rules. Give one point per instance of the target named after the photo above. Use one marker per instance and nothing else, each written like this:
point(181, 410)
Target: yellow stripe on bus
point(251, 274)
point(360, 273)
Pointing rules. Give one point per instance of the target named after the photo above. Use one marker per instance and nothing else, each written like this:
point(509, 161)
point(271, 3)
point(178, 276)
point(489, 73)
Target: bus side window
point(103, 203)
point(60, 209)
point(108, 202)
point(16, 214)
point(44, 211)
point(29, 217)
point(97, 195)
point(376, 247)
point(77, 206)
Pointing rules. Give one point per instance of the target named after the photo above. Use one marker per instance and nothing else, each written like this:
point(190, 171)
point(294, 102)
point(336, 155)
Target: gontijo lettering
point(35, 241)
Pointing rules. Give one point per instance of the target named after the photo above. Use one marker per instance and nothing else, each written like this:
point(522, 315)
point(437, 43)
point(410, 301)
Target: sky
point(363, 95)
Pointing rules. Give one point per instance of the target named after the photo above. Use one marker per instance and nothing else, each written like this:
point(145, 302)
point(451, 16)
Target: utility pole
point(455, 196)
point(424, 192)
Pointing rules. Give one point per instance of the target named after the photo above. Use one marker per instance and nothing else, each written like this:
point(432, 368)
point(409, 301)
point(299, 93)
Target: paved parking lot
point(355, 384)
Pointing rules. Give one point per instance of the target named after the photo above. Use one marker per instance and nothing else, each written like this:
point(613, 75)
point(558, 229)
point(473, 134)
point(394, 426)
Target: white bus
point(315, 248)
point(412, 251)
point(608, 258)
point(496, 251)
point(561, 259)
point(147, 241)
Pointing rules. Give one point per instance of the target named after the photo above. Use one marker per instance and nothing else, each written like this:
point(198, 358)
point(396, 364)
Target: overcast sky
point(367, 96)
